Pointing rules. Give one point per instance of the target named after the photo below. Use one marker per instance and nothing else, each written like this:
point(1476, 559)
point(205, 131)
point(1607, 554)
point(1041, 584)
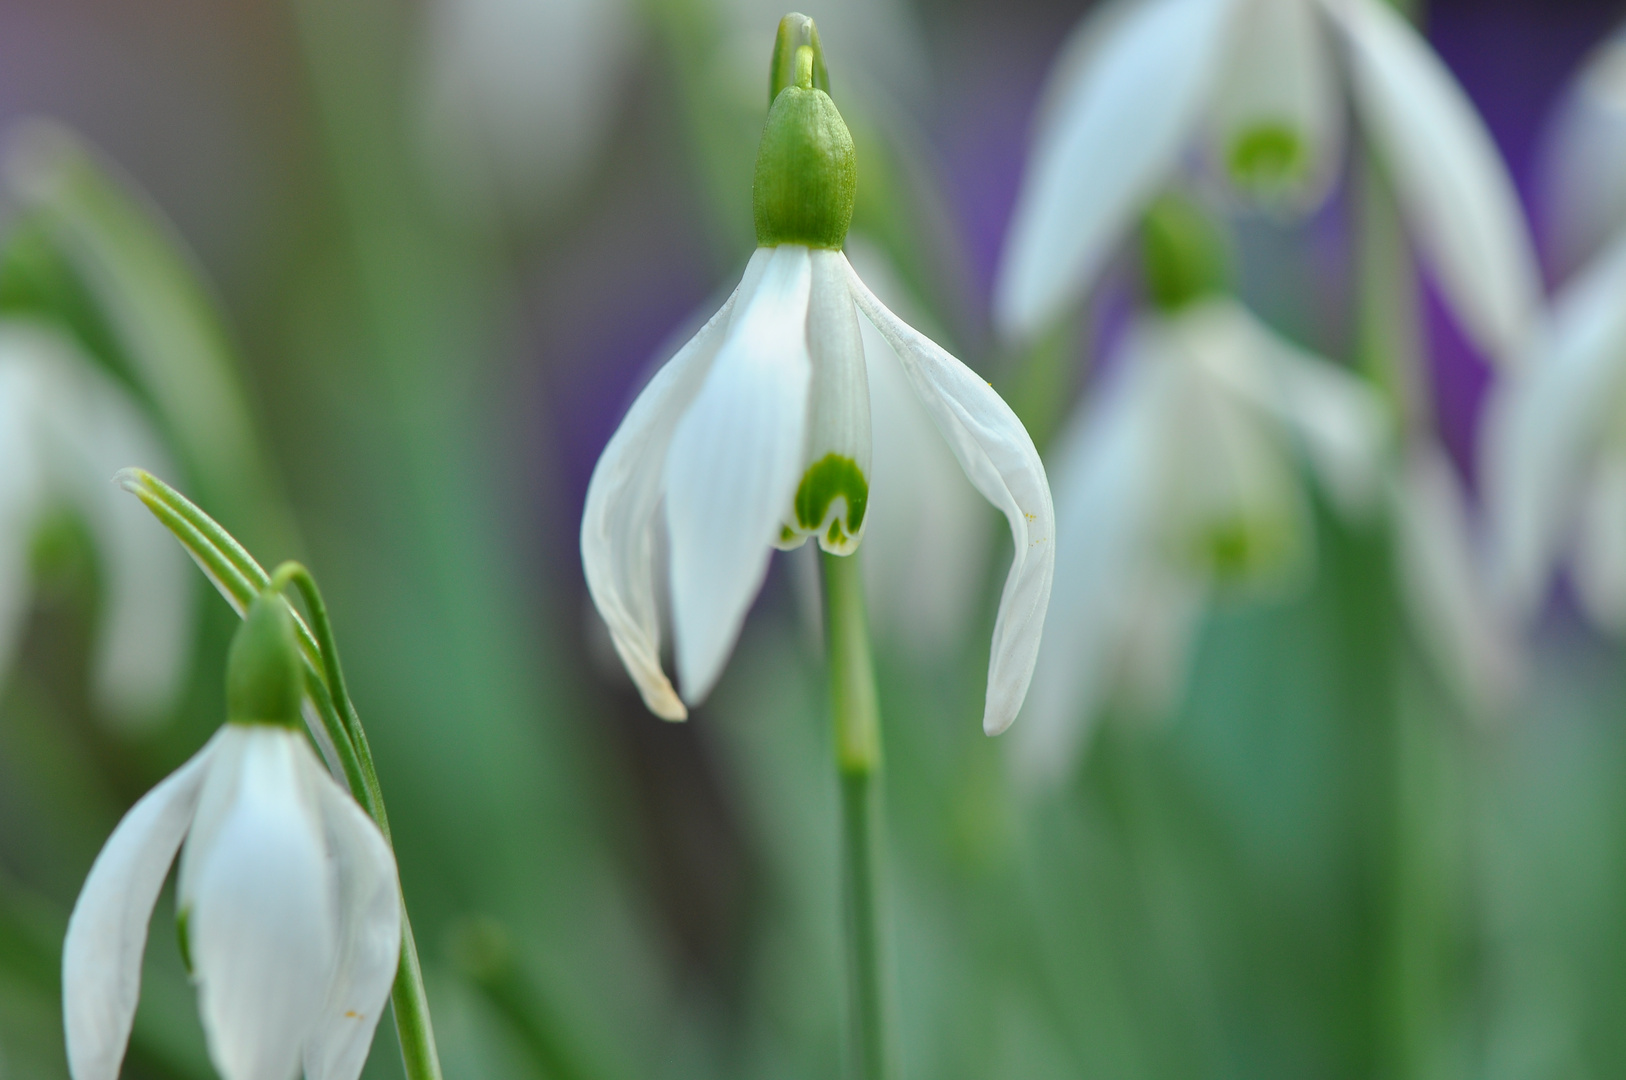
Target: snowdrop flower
point(288, 906)
point(1258, 88)
point(757, 433)
point(65, 429)
point(1182, 482)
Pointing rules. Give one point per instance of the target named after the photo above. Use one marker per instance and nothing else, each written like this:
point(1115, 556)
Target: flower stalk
point(856, 725)
point(337, 727)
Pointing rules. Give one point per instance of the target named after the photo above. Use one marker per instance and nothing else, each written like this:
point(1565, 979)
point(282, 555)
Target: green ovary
point(831, 477)
point(1268, 156)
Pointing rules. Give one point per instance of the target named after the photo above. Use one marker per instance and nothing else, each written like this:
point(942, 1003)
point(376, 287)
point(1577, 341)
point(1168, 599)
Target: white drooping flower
point(1258, 88)
point(1184, 480)
point(287, 900)
point(757, 434)
point(65, 428)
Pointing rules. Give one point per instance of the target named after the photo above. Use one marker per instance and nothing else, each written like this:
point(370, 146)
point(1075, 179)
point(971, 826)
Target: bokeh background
point(443, 243)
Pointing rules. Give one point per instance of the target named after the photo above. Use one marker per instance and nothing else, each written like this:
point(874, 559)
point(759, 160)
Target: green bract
point(806, 173)
point(265, 679)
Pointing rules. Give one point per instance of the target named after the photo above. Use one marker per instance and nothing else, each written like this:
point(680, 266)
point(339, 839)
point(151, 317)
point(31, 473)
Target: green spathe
point(806, 172)
point(832, 476)
point(796, 31)
point(264, 675)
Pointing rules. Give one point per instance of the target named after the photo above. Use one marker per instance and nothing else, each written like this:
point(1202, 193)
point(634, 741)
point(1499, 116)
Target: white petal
point(260, 900)
point(20, 492)
point(1542, 422)
point(1113, 135)
point(734, 463)
point(107, 933)
point(1583, 161)
point(827, 503)
point(618, 520)
point(369, 935)
point(1338, 421)
point(144, 636)
point(1453, 185)
point(1600, 553)
point(1441, 575)
point(1278, 124)
point(1108, 486)
point(925, 524)
point(997, 454)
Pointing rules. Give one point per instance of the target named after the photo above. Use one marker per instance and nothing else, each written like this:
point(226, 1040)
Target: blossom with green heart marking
point(757, 434)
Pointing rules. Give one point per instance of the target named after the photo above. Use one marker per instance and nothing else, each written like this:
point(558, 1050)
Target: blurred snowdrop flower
point(518, 95)
point(757, 433)
point(1583, 161)
point(1260, 86)
point(289, 910)
point(65, 429)
point(1184, 481)
point(1554, 450)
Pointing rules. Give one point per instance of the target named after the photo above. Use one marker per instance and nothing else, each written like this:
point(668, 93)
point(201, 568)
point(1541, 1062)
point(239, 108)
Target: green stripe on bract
point(1268, 157)
point(830, 477)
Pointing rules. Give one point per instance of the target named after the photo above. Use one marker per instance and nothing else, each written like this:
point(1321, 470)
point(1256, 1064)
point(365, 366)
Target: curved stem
point(856, 722)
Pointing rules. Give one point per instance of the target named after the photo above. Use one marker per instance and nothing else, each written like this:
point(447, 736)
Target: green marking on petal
point(1242, 548)
point(786, 534)
point(183, 935)
point(830, 477)
point(1268, 157)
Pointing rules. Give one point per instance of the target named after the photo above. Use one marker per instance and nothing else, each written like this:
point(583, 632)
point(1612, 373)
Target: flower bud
point(1183, 254)
point(806, 174)
point(264, 677)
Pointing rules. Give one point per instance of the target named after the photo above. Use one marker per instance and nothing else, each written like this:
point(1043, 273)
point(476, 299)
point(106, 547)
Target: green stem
point(856, 721)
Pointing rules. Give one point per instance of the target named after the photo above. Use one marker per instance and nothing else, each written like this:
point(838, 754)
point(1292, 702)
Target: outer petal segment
point(618, 521)
point(1115, 130)
point(369, 934)
point(1452, 183)
point(261, 907)
point(1545, 420)
point(107, 933)
point(997, 454)
point(734, 464)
